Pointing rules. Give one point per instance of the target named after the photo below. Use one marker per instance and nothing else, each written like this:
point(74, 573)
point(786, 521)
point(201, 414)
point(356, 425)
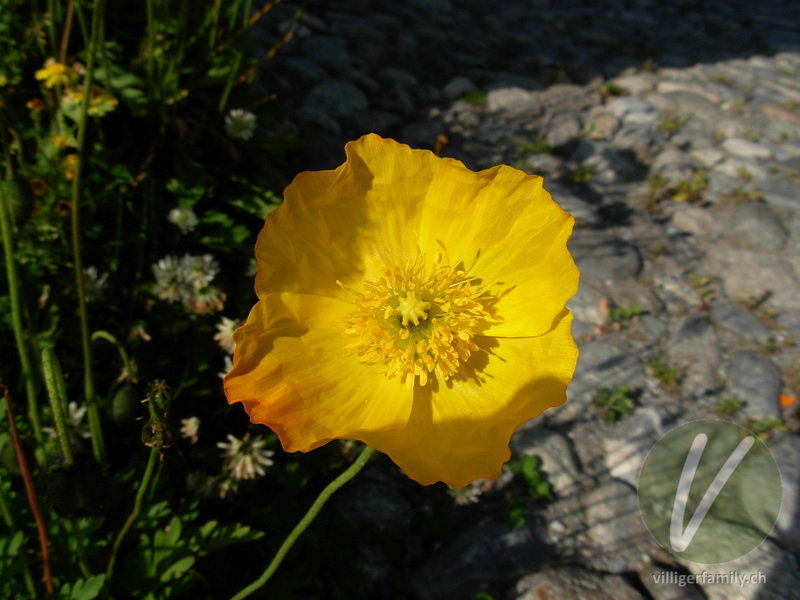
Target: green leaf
point(87, 589)
point(177, 569)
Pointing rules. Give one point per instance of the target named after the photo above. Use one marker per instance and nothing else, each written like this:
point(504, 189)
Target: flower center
point(416, 321)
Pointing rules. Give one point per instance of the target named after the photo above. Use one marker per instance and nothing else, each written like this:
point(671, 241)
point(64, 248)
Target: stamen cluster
point(416, 321)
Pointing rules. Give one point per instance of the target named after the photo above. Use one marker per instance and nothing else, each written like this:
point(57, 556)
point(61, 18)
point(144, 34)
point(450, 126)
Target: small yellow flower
point(60, 141)
point(100, 101)
point(55, 73)
point(70, 164)
point(36, 105)
point(412, 304)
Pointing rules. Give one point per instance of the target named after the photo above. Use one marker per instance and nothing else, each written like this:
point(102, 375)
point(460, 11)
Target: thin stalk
point(62, 55)
point(58, 401)
point(332, 487)
point(151, 49)
point(51, 25)
point(98, 446)
point(137, 508)
point(30, 490)
point(126, 361)
point(16, 316)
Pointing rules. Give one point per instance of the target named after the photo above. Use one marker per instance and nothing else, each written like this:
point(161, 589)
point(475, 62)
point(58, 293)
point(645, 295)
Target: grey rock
point(332, 100)
point(489, 551)
point(623, 457)
point(615, 526)
point(562, 129)
point(639, 84)
point(739, 321)
point(694, 347)
point(554, 452)
point(542, 163)
point(780, 193)
point(746, 149)
point(305, 69)
point(587, 304)
point(778, 567)
point(585, 215)
point(758, 226)
point(457, 87)
point(513, 100)
point(608, 165)
point(604, 255)
point(633, 111)
point(674, 165)
point(329, 52)
point(741, 168)
point(652, 577)
point(643, 142)
point(756, 381)
point(785, 447)
point(600, 365)
point(568, 98)
point(573, 583)
point(650, 327)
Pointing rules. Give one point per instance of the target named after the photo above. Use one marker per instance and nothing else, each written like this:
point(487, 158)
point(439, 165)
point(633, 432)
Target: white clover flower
point(199, 271)
point(75, 425)
point(228, 367)
point(93, 284)
point(184, 218)
point(190, 428)
point(240, 124)
point(224, 335)
point(170, 285)
point(187, 280)
point(245, 458)
point(466, 495)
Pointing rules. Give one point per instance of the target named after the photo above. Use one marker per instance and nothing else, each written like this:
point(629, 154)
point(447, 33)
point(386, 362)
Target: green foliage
point(669, 375)
point(613, 90)
point(581, 176)
point(728, 405)
point(528, 469)
point(764, 427)
point(475, 97)
point(624, 314)
point(614, 403)
point(671, 122)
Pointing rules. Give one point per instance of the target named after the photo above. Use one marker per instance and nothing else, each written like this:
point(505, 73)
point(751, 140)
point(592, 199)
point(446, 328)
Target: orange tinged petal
point(410, 303)
point(293, 373)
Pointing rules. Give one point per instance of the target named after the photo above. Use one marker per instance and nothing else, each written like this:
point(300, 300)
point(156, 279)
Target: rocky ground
point(671, 131)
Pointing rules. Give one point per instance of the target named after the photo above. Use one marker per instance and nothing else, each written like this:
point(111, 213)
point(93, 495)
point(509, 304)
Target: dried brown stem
point(31, 492)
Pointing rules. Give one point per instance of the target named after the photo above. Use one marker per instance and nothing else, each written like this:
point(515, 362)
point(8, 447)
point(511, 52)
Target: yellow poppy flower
point(412, 304)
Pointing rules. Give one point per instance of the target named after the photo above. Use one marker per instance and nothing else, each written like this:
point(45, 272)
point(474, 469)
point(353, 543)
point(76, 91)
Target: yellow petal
point(347, 223)
point(506, 229)
point(459, 430)
point(292, 372)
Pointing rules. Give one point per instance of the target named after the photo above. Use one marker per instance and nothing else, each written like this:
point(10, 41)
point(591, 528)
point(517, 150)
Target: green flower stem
point(54, 380)
point(332, 487)
point(127, 364)
point(88, 379)
point(16, 315)
point(137, 508)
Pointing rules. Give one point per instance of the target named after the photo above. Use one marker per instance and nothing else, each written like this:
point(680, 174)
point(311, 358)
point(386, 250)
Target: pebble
point(716, 279)
point(756, 381)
